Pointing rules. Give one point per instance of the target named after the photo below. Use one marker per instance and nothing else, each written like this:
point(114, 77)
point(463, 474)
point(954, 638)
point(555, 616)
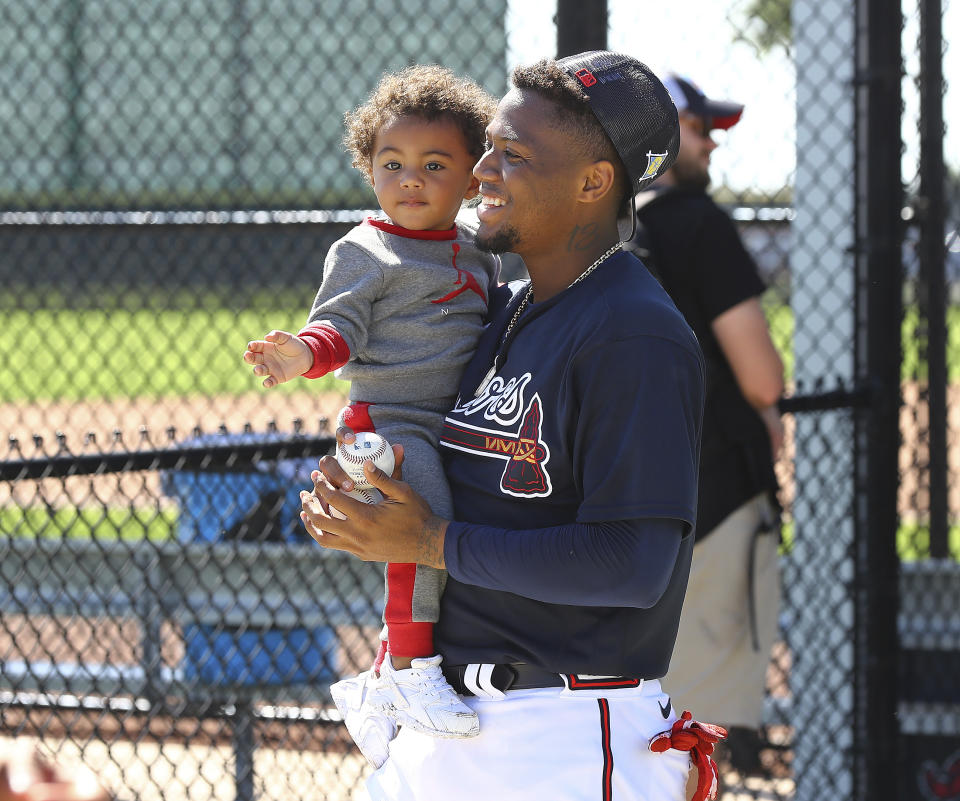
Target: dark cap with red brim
point(689, 98)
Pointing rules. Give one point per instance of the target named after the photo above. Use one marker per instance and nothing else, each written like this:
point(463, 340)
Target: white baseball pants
point(546, 743)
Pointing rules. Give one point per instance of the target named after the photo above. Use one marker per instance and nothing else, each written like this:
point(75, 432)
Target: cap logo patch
point(654, 162)
point(610, 76)
point(585, 77)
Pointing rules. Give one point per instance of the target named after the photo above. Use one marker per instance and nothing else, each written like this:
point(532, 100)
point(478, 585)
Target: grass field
point(913, 367)
point(131, 525)
point(70, 355)
point(63, 354)
point(85, 522)
point(913, 541)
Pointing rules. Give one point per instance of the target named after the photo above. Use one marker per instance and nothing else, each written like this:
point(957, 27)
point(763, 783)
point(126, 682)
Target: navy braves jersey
point(594, 415)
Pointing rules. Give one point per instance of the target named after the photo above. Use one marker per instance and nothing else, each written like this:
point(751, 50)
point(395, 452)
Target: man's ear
point(598, 181)
point(474, 189)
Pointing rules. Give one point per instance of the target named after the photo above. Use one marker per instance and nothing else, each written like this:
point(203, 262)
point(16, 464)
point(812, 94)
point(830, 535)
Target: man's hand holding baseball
point(400, 529)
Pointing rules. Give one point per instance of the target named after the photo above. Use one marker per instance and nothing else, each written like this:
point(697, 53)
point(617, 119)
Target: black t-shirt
point(697, 253)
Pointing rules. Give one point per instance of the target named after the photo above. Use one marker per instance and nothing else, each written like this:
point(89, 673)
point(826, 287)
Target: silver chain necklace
point(523, 304)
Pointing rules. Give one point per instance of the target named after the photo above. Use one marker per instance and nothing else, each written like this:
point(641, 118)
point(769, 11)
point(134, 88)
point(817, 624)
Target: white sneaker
point(371, 729)
point(419, 697)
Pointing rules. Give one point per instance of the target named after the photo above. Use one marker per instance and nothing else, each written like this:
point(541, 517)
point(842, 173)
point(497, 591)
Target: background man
point(729, 617)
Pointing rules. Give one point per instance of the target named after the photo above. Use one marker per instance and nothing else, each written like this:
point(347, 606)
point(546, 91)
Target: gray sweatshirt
point(410, 306)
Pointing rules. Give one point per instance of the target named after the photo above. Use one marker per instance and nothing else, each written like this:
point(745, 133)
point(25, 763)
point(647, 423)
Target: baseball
point(367, 447)
point(366, 494)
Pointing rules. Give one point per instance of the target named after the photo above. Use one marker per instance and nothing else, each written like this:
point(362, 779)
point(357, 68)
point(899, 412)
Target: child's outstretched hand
point(280, 356)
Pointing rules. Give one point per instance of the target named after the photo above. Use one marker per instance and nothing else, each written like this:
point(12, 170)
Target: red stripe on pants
point(607, 788)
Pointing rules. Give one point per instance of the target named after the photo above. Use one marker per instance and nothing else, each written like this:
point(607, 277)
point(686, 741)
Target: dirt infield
point(914, 492)
point(110, 426)
point(75, 421)
point(317, 412)
point(913, 496)
point(149, 770)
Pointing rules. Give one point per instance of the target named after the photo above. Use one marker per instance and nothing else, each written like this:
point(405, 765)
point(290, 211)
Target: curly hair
point(427, 91)
point(572, 114)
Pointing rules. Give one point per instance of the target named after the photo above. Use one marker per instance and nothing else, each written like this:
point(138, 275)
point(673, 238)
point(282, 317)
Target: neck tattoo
point(523, 305)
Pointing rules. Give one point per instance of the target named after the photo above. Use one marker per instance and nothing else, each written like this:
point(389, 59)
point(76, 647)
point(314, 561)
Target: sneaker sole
point(374, 743)
point(445, 734)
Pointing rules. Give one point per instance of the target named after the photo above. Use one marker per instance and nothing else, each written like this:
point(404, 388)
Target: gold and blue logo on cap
point(654, 162)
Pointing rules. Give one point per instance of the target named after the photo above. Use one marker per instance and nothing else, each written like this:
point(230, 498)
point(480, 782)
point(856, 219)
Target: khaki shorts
point(719, 664)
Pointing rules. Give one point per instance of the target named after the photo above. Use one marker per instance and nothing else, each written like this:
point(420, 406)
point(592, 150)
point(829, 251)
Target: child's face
point(422, 172)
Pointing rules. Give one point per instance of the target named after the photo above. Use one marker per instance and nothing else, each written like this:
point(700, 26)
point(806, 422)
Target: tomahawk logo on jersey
point(516, 439)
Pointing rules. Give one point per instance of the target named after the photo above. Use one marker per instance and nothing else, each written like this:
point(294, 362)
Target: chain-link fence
point(170, 179)
point(929, 508)
point(171, 176)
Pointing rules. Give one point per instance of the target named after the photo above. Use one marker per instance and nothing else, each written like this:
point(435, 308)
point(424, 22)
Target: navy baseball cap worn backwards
point(690, 98)
point(635, 110)
point(633, 107)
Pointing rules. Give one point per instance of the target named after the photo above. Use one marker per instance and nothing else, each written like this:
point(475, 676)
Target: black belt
point(521, 676)
point(513, 676)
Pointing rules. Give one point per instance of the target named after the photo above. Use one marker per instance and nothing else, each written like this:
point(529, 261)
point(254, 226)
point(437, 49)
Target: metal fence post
point(243, 748)
point(818, 570)
point(878, 357)
point(581, 25)
point(933, 303)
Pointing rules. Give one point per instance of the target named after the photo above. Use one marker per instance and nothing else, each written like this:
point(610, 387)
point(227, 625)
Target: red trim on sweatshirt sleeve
point(330, 350)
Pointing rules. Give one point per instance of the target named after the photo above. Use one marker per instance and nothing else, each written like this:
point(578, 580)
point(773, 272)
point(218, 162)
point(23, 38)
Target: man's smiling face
point(528, 177)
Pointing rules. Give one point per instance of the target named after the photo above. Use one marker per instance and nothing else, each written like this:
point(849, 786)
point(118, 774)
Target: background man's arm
point(745, 340)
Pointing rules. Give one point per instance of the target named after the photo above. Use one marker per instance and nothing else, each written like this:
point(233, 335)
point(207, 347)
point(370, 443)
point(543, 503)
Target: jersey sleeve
point(636, 446)
point(352, 282)
point(725, 274)
point(620, 563)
